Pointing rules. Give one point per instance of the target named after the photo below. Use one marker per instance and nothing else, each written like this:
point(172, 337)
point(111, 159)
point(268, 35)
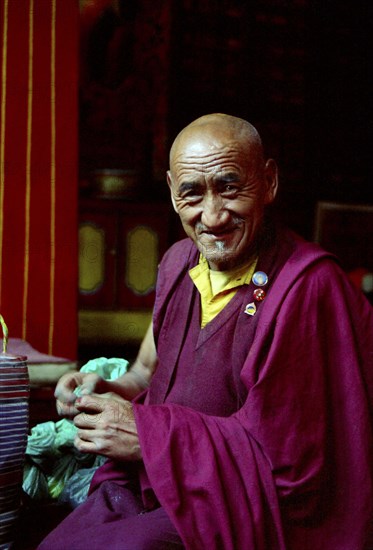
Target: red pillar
point(38, 172)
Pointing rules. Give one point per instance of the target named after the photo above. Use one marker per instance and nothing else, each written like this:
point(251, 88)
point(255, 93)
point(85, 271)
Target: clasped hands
point(105, 421)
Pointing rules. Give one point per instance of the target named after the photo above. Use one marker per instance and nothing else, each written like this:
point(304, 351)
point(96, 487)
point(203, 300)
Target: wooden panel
point(97, 260)
point(91, 258)
point(142, 256)
point(143, 240)
point(116, 299)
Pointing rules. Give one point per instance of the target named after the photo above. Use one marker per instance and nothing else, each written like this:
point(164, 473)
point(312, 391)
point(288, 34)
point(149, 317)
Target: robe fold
point(256, 431)
point(292, 466)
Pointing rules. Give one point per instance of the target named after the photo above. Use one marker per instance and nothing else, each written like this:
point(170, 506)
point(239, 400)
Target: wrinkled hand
point(64, 392)
point(106, 426)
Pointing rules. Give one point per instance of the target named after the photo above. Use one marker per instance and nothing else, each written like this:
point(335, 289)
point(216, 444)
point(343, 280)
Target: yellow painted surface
point(91, 258)
point(113, 326)
point(142, 259)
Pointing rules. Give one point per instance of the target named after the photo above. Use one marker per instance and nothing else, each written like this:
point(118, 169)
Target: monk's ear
point(271, 179)
point(169, 183)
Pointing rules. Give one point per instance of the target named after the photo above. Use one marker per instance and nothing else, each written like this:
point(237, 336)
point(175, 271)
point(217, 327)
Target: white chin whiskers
point(213, 248)
point(220, 245)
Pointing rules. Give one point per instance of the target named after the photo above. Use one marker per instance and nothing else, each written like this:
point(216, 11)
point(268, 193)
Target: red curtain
point(38, 172)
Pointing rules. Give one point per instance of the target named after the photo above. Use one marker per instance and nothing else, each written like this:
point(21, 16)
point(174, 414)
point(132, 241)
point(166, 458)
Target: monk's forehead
point(203, 140)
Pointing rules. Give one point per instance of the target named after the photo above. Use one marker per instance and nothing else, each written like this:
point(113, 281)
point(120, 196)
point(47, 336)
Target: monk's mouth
point(218, 235)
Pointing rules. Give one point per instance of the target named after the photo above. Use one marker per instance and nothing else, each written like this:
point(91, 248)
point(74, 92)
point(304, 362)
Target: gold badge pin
point(250, 309)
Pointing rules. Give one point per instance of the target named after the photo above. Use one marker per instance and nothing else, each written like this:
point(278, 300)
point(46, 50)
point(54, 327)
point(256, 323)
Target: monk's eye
point(192, 197)
point(191, 192)
point(230, 190)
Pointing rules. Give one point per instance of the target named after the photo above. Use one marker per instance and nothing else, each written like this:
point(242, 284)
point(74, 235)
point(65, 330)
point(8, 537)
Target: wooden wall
point(298, 70)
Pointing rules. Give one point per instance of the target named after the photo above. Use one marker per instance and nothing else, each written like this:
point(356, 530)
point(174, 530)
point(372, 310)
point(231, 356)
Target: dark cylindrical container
point(14, 412)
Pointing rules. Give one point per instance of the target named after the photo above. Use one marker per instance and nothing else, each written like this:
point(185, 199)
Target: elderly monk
point(245, 421)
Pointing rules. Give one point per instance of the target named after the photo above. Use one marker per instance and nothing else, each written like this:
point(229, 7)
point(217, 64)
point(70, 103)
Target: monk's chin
point(219, 259)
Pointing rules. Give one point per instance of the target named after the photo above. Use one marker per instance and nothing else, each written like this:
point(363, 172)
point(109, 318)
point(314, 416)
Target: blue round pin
point(260, 278)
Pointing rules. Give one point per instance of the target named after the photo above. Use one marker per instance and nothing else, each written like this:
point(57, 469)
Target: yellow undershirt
point(217, 288)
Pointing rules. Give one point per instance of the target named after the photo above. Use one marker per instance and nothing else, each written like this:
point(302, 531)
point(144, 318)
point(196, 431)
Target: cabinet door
point(97, 260)
point(143, 241)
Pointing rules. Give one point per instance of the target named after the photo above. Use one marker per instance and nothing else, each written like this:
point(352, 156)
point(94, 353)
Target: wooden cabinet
point(120, 246)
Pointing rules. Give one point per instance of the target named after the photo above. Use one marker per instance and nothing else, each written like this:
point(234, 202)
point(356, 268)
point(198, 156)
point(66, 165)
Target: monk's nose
point(214, 215)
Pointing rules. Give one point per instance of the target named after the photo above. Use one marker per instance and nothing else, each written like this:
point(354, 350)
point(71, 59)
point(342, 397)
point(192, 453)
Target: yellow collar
point(215, 282)
point(217, 288)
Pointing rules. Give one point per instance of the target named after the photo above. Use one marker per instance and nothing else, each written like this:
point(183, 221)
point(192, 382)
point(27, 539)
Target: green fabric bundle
point(51, 458)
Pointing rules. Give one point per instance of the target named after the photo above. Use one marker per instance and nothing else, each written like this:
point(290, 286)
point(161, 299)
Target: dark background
point(300, 71)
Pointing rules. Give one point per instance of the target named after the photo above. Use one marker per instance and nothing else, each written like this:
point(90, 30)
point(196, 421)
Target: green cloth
point(110, 369)
point(51, 458)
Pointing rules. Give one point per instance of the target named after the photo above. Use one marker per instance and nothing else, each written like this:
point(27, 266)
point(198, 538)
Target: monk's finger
point(90, 403)
point(86, 420)
point(84, 444)
point(66, 409)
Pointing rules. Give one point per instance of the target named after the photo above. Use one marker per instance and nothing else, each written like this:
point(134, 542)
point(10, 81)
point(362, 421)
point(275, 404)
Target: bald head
point(220, 185)
point(219, 129)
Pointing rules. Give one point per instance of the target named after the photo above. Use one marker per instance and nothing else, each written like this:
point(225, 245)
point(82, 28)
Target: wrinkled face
point(219, 189)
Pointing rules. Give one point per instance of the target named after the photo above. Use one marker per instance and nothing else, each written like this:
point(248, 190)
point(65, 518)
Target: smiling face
point(219, 186)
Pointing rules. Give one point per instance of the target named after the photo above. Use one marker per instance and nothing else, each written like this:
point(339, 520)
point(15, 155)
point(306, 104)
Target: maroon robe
point(256, 431)
point(291, 467)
